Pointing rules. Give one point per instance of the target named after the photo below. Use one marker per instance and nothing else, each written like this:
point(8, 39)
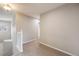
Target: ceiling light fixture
point(6, 6)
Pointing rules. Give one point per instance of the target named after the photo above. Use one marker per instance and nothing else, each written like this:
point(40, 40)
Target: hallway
point(55, 25)
point(35, 49)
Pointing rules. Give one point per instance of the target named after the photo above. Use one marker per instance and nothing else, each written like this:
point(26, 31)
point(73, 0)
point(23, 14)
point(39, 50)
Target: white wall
point(27, 25)
point(6, 43)
point(60, 28)
point(6, 18)
point(4, 35)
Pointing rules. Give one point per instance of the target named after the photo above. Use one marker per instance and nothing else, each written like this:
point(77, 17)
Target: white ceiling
point(34, 9)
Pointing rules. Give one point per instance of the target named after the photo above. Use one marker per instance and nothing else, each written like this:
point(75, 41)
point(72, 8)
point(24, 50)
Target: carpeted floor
point(34, 48)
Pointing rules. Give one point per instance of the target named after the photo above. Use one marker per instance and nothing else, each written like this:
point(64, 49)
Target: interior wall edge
point(54, 9)
point(25, 15)
point(29, 41)
point(57, 49)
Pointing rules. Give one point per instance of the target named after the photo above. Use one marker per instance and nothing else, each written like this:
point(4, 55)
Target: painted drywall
point(60, 28)
point(6, 46)
point(27, 25)
point(5, 35)
point(1, 48)
point(6, 18)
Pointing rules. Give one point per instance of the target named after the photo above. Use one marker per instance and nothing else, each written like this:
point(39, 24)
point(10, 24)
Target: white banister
point(20, 41)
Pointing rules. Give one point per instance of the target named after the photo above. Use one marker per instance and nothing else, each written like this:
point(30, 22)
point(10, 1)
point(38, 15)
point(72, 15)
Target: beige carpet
point(34, 48)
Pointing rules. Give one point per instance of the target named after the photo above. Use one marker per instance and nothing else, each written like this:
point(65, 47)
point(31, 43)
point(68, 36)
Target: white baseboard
point(29, 41)
point(58, 49)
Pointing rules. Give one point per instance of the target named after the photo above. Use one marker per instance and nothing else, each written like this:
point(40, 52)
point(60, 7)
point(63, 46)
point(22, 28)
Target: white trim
point(19, 44)
point(20, 50)
point(5, 19)
point(58, 49)
point(28, 41)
